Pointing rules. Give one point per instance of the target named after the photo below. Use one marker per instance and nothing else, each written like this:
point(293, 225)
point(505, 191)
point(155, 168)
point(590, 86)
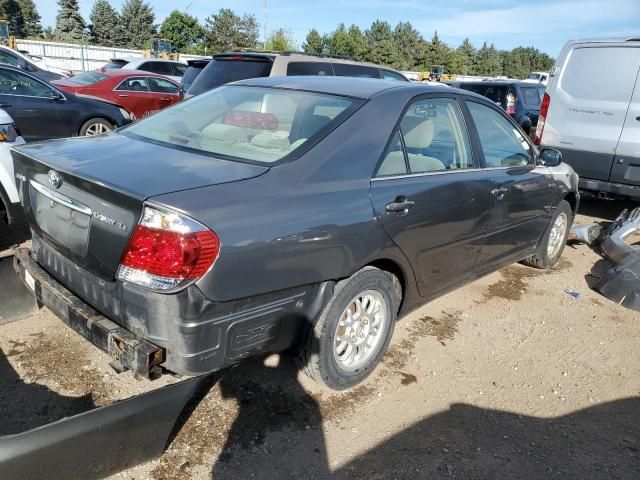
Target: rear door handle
point(123, 95)
point(401, 206)
point(499, 193)
point(4, 105)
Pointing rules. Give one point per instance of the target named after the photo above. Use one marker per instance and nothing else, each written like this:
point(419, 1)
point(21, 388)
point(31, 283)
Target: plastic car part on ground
point(587, 233)
point(621, 284)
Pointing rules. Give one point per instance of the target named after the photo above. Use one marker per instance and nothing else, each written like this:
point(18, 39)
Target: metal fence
point(79, 58)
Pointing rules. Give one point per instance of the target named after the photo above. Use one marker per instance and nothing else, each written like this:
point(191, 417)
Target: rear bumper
point(131, 352)
point(609, 187)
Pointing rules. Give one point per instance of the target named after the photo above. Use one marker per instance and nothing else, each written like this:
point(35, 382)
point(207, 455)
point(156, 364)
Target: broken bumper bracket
point(128, 350)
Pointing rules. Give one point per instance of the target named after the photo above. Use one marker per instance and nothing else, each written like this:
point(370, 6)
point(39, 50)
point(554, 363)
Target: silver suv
point(591, 113)
point(232, 66)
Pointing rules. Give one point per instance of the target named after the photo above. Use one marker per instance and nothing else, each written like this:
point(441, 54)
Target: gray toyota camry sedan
point(300, 214)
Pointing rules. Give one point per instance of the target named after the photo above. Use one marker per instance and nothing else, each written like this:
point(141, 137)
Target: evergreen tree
point(314, 42)
point(138, 25)
point(31, 19)
point(183, 30)
point(488, 61)
point(382, 49)
point(280, 40)
point(10, 10)
point(357, 42)
point(465, 56)
point(70, 25)
point(226, 30)
point(409, 43)
point(105, 28)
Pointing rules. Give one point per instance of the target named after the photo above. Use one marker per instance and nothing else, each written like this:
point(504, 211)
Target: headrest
point(418, 132)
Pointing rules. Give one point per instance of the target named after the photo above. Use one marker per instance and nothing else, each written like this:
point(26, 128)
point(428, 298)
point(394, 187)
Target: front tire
point(555, 238)
point(95, 126)
point(354, 329)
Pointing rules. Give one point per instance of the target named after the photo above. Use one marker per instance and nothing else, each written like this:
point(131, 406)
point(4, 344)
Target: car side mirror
point(550, 157)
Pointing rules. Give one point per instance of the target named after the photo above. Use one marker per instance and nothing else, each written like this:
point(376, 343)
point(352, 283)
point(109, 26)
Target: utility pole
point(266, 19)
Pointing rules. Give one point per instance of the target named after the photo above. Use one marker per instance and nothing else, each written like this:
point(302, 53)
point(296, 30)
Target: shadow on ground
point(24, 406)
point(604, 209)
point(14, 234)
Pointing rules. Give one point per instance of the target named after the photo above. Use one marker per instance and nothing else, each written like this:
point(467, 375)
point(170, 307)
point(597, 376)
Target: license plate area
point(67, 222)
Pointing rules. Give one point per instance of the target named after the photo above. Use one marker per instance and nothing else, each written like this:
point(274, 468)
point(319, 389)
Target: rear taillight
point(544, 109)
point(167, 250)
point(511, 104)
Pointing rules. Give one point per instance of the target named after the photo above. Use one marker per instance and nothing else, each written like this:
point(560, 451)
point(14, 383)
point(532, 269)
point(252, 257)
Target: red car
point(140, 93)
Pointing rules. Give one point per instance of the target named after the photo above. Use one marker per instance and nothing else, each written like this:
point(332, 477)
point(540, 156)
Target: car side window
point(162, 86)
point(394, 162)
point(502, 143)
point(6, 57)
point(134, 84)
point(349, 70)
point(14, 83)
point(309, 68)
point(389, 75)
point(179, 69)
point(435, 137)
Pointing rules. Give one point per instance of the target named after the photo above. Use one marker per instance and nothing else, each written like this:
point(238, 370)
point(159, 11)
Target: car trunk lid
point(85, 196)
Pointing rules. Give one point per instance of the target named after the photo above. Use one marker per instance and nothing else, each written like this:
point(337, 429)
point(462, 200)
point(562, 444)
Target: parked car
point(10, 207)
point(23, 62)
point(140, 93)
point(591, 113)
point(194, 68)
point(166, 68)
point(232, 66)
point(519, 99)
point(41, 111)
point(537, 77)
point(284, 213)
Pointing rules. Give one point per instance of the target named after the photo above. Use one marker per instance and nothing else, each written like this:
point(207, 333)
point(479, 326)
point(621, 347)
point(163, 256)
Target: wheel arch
point(572, 199)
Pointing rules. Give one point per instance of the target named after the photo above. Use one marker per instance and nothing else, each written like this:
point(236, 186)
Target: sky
point(544, 24)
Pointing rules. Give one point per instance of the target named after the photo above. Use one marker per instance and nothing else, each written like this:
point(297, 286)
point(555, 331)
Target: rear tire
point(554, 239)
point(95, 126)
point(354, 329)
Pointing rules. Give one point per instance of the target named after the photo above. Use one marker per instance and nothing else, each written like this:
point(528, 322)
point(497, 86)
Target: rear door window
point(14, 83)
point(309, 68)
point(495, 93)
point(349, 70)
point(8, 58)
point(222, 70)
point(134, 84)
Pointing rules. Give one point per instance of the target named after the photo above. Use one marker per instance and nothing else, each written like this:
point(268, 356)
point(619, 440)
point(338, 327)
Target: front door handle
point(165, 99)
point(499, 193)
point(4, 105)
point(400, 205)
point(123, 95)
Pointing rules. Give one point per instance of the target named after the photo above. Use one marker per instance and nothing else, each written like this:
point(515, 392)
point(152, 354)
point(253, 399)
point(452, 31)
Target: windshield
point(258, 125)
point(221, 71)
point(87, 78)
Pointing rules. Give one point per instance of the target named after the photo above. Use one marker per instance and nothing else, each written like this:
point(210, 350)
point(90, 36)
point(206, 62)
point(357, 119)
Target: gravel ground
point(508, 377)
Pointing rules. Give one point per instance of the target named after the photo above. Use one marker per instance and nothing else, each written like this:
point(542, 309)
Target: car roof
point(492, 83)
point(118, 72)
point(140, 60)
point(344, 86)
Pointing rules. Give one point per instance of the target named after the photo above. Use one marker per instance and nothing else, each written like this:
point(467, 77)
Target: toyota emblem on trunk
point(55, 180)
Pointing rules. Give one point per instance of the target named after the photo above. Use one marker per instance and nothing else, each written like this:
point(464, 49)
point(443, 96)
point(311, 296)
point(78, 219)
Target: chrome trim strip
point(61, 199)
point(424, 174)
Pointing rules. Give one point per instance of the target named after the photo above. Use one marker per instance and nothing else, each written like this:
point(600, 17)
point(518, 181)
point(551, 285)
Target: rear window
point(349, 70)
point(190, 75)
point(114, 64)
point(601, 73)
point(495, 93)
point(309, 68)
point(532, 96)
point(221, 71)
point(88, 78)
point(257, 125)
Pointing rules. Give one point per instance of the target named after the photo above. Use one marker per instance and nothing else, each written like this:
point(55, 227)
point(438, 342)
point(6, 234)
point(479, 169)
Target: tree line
point(401, 47)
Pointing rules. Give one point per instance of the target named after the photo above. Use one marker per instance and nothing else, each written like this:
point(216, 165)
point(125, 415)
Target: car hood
point(135, 167)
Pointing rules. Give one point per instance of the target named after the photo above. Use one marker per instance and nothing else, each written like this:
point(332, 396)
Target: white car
point(46, 64)
point(9, 199)
point(36, 65)
point(538, 77)
point(168, 68)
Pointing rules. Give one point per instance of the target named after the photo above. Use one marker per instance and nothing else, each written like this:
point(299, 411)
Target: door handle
point(165, 99)
point(123, 95)
point(4, 105)
point(400, 205)
point(499, 193)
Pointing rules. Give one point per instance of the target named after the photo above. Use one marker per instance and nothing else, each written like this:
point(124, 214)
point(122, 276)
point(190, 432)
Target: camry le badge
point(55, 180)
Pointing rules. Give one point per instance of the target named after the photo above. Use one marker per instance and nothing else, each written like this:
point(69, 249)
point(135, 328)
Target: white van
point(538, 77)
point(591, 113)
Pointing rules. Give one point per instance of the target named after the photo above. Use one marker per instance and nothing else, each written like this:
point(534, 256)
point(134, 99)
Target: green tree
point(70, 26)
point(409, 44)
point(357, 42)
point(339, 41)
point(183, 30)
point(487, 61)
point(280, 40)
point(106, 27)
point(138, 25)
point(382, 50)
point(464, 58)
point(314, 43)
point(226, 30)
point(10, 10)
point(31, 19)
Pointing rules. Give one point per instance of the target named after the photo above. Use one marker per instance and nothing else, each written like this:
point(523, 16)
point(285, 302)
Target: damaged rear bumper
point(125, 348)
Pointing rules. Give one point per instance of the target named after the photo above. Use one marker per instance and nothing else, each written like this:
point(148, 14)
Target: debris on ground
point(585, 233)
point(572, 293)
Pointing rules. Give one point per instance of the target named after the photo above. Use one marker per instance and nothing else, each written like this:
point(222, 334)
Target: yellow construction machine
point(161, 48)
point(437, 74)
point(5, 38)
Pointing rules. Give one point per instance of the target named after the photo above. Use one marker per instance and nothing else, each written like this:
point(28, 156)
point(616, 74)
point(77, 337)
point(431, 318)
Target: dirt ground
point(507, 378)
